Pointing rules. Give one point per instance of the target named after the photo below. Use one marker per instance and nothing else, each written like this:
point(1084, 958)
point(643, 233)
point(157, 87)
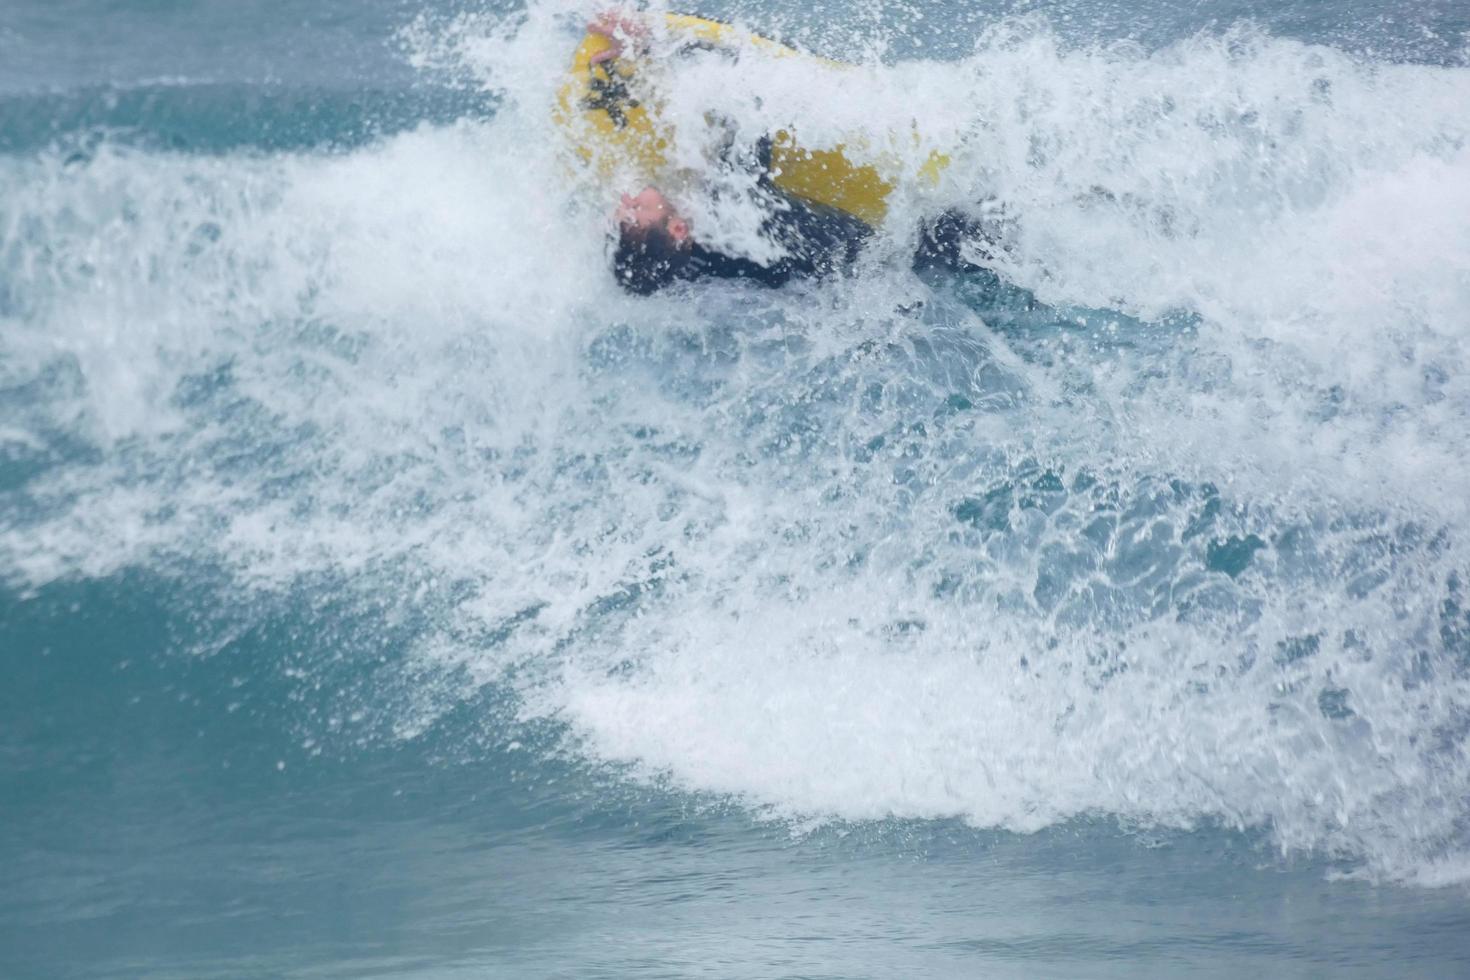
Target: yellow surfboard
point(615, 131)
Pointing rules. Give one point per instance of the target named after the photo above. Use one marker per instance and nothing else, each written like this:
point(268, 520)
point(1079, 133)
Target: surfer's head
point(653, 242)
point(649, 209)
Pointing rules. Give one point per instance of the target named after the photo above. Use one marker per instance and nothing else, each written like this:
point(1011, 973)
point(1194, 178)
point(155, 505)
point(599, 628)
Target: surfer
point(657, 245)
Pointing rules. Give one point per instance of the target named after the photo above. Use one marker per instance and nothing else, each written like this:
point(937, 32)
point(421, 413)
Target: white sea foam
point(815, 549)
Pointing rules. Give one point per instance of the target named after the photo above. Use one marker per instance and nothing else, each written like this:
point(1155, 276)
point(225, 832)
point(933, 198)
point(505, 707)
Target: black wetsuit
point(821, 241)
point(817, 241)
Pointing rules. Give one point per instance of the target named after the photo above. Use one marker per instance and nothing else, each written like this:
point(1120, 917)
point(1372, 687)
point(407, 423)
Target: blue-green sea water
point(384, 593)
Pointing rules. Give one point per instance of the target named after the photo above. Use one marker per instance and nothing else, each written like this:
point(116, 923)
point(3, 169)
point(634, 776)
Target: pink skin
point(618, 28)
point(650, 209)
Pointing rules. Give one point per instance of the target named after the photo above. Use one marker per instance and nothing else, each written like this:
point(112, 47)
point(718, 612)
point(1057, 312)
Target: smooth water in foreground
point(384, 593)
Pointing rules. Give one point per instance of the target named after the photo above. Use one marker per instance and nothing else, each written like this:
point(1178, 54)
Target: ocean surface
point(384, 593)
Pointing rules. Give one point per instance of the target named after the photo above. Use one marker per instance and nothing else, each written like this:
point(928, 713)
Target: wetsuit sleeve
point(706, 263)
point(818, 242)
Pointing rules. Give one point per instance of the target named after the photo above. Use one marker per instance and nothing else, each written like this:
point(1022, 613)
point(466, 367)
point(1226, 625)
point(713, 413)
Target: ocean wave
point(1163, 522)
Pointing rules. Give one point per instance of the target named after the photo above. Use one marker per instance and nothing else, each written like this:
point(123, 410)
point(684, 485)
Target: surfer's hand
point(618, 28)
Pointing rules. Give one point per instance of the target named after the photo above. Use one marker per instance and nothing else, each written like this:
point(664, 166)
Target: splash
point(1163, 522)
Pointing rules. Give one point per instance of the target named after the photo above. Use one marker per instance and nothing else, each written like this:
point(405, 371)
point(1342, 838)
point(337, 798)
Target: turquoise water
point(383, 593)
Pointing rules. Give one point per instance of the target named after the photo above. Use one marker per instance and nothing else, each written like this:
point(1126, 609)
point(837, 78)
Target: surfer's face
point(649, 209)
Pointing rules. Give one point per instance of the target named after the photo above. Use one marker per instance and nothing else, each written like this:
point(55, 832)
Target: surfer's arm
point(706, 263)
